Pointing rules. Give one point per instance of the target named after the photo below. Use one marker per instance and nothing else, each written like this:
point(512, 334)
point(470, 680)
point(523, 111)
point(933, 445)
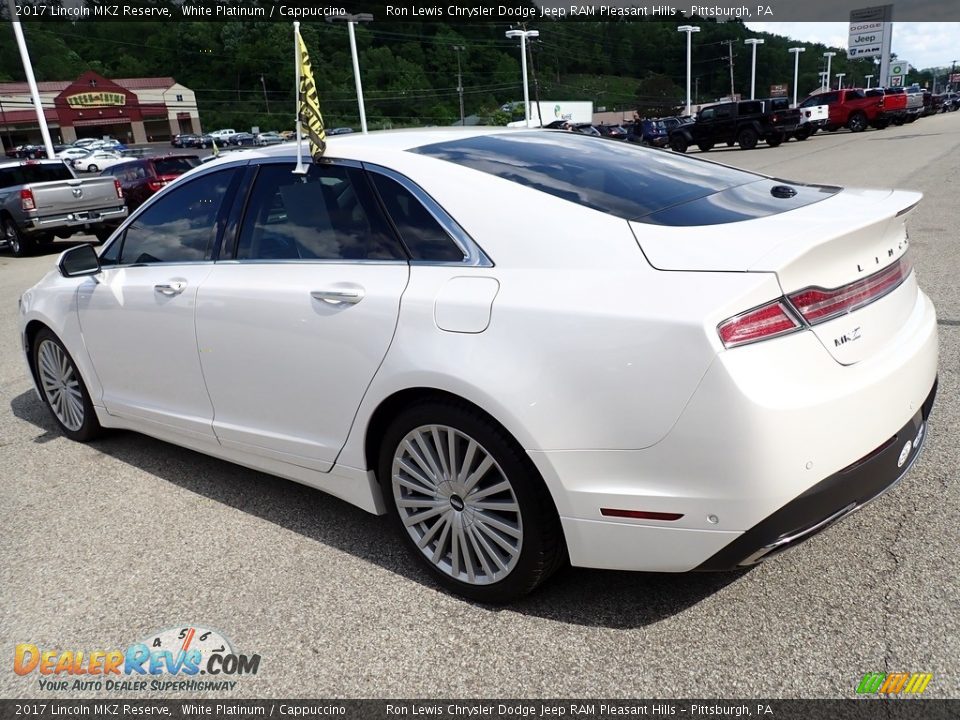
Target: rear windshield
point(606, 175)
point(33, 173)
point(175, 166)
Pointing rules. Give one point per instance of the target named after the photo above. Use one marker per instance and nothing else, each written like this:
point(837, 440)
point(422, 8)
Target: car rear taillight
point(26, 200)
point(767, 321)
point(155, 185)
point(116, 186)
point(818, 305)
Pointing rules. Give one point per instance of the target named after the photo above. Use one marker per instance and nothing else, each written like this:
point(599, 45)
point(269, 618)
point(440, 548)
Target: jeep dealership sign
point(870, 31)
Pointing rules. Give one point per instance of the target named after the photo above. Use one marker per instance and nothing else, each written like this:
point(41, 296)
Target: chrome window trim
point(157, 264)
point(310, 261)
point(473, 254)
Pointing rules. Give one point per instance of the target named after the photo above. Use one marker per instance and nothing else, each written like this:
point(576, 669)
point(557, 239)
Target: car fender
point(56, 308)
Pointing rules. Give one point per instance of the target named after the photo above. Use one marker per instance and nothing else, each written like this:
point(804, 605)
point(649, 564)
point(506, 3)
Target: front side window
point(329, 213)
point(181, 226)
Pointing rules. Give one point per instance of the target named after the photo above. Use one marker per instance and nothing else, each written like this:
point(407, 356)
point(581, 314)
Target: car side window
point(329, 213)
point(179, 227)
point(423, 235)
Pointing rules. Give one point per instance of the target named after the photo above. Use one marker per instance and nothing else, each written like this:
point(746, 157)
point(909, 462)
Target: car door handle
point(339, 296)
point(174, 287)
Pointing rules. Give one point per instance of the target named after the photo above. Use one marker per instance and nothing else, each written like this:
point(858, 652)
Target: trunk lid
point(851, 236)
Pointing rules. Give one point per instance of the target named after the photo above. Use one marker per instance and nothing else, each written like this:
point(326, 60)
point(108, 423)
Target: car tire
point(802, 134)
point(857, 122)
point(679, 144)
point(20, 245)
point(775, 140)
point(92, 168)
point(705, 147)
point(62, 389)
point(881, 124)
point(747, 139)
point(451, 462)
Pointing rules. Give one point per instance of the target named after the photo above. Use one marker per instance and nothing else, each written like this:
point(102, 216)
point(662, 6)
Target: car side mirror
point(79, 261)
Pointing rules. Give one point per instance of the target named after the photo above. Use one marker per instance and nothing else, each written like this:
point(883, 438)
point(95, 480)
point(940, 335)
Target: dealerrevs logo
point(171, 659)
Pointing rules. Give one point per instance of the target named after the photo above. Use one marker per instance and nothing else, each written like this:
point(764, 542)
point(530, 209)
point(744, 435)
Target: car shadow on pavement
point(578, 596)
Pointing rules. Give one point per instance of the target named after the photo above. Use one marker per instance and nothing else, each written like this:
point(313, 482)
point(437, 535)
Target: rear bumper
point(831, 499)
point(753, 461)
point(86, 218)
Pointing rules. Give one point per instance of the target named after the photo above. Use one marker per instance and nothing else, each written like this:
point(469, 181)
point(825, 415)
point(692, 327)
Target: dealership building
point(133, 110)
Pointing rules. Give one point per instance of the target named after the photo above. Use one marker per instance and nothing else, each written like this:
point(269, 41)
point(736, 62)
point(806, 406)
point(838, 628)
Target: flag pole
point(31, 81)
point(300, 169)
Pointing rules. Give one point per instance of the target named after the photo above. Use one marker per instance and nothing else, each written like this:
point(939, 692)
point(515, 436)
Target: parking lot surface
point(109, 543)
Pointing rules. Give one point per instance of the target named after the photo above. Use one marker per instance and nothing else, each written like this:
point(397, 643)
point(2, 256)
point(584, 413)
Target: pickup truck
point(743, 123)
point(853, 108)
point(43, 199)
point(814, 115)
point(914, 102)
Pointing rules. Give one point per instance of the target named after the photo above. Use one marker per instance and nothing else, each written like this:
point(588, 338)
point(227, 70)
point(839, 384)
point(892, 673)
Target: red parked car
point(142, 178)
point(855, 109)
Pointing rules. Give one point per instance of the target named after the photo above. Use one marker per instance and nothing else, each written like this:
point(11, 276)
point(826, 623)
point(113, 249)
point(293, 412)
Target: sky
point(922, 44)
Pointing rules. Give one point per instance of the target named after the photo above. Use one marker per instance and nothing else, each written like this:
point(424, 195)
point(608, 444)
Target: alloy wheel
point(60, 383)
point(457, 504)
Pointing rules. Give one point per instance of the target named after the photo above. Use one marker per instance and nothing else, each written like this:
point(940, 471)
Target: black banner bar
point(865, 709)
point(466, 11)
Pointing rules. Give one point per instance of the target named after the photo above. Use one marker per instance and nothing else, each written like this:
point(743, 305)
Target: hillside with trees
point(243, 74)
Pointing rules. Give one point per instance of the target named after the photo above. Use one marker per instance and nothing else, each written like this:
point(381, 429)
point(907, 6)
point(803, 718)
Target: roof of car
point(346, 144)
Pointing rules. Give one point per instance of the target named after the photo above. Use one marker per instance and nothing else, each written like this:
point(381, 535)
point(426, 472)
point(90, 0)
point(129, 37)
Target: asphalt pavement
point(105, 544)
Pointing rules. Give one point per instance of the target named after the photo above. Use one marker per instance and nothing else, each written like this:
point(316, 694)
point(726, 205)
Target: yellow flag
point(308, 105)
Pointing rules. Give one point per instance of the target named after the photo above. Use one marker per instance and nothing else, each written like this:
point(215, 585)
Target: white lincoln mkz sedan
point(529, 347)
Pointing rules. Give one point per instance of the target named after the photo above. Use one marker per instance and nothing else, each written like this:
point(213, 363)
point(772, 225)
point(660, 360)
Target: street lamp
point(840, 81)
point(796, 69)
point(868, 78)
point(523, 35)
point(352, 20)
point(265, 100)
point(753, 65)
point(828, 56)
point(689, 30)
point(459, 49)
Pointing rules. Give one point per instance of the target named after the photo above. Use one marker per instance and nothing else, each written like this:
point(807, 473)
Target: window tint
point(622, 180)
point(420, 231)
point(328, 214)
point(181, 226)
point(34, 173)
point(175, 165)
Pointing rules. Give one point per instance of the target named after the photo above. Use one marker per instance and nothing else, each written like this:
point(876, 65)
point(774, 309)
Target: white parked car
point(223, 136)
point(526, 346)
point(98, 160)
point(72, 153)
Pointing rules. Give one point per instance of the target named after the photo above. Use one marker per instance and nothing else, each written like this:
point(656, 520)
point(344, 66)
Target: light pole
point(459, 49)
point(753, 65)
point(868, 78)
point(828, 56)
point(352, 20)
point(265, 101)
point(523, 35)
point(689, 30)
point(796, 70)
point(840, 81)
